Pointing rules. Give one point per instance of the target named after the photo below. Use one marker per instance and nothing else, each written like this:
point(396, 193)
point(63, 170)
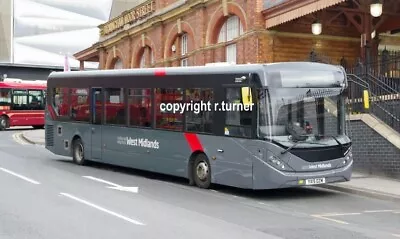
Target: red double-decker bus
point(22, 103)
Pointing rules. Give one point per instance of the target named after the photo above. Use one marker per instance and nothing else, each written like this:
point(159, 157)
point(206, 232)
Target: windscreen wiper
point(296, 143)
point(289, 148)
point(333, 137)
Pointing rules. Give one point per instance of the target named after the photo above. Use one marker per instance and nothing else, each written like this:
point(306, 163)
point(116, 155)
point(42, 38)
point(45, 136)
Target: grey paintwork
point(242, 163)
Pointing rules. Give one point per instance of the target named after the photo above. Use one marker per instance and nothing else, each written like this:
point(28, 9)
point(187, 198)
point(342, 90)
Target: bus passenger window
point(139, 101)
point(238, 120)
point(115, 111)
point(20, 100)
point(35, 100)
point(80, 105)
point(165, 117)
point(200, 118)
point(5, 99)
point(60, 101)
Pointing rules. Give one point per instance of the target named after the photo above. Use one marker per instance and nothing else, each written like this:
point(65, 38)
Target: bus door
point(97, 115)
point(234, 152)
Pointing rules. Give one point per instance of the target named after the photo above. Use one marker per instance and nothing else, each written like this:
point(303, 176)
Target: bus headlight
point(277, 163)
point(348, 157)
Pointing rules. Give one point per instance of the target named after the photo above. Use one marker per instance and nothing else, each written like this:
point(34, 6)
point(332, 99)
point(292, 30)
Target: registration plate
point(313, 181)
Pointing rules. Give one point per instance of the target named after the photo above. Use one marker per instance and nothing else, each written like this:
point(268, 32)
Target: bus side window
point(80, 105)
point(238, 120)
point(115, 106)
point(60, 101)
point(199, 119)
point(139, 101)
point(35, 100)
point(20, 100)
point(165, 117)
point(5, 98)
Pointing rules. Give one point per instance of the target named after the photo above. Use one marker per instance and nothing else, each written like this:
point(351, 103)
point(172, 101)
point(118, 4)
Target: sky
point(46, 30)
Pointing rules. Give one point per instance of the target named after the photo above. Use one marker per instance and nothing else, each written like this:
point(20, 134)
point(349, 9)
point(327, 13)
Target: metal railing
point(384, 101)
point(381, 78)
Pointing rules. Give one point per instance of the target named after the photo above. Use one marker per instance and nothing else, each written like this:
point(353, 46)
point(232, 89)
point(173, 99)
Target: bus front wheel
point(78, 152)
point(4, 123)
point(202, 171)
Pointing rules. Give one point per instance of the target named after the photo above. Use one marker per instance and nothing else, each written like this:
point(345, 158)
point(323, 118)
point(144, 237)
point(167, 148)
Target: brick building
point(160, 33)
point(174, 33)
point(195, 32)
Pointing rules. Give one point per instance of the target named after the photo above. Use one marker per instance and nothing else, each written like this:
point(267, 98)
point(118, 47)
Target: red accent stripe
point(193, 142)
point(52, 112)
point(160, 72)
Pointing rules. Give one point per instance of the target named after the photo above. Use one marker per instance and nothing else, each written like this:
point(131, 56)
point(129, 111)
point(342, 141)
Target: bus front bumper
point(267, 177)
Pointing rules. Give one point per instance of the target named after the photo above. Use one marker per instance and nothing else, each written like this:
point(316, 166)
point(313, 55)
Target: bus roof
point(281, 74)
point(27, 85)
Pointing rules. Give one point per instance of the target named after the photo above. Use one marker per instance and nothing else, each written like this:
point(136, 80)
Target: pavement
point(47, 196)
point(361, 184)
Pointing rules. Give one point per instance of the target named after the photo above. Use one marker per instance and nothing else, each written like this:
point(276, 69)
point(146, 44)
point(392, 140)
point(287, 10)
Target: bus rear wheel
point(202, 171)
point(78, 152)
point(4, 123)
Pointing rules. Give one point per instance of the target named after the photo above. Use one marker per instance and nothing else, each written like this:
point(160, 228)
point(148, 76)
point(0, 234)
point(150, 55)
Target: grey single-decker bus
point(256, 126)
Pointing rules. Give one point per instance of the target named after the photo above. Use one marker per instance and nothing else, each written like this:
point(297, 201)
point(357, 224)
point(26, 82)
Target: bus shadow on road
point(21, 129)
point(130, 171)
point(295, 193)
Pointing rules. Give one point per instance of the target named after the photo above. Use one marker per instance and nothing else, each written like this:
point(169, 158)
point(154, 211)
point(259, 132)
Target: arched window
point(184, 49)
point(230, 30)
point(118, 64)
point(147, 58)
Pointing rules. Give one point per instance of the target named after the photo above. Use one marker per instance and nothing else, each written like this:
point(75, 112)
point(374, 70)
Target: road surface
point(47, 196)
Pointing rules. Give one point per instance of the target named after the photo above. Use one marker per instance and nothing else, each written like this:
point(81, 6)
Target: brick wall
point(291, 41)
point(372, 153)
point(202, 24)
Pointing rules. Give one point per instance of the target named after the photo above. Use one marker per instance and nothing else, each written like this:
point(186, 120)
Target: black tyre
point(78, 152)
point(4, 122)
point(202, 171)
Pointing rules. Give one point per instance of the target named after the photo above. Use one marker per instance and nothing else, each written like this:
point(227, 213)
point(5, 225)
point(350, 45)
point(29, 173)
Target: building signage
point(318, 166)
point(138, 142)
point(128, 17)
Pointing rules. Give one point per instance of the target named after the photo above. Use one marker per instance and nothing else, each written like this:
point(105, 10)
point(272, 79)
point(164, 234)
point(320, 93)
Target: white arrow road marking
point(102, 209)
point(102, 181)
point(19, 176)
point(374, 211)
point(126, 189)
point(114, 185)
